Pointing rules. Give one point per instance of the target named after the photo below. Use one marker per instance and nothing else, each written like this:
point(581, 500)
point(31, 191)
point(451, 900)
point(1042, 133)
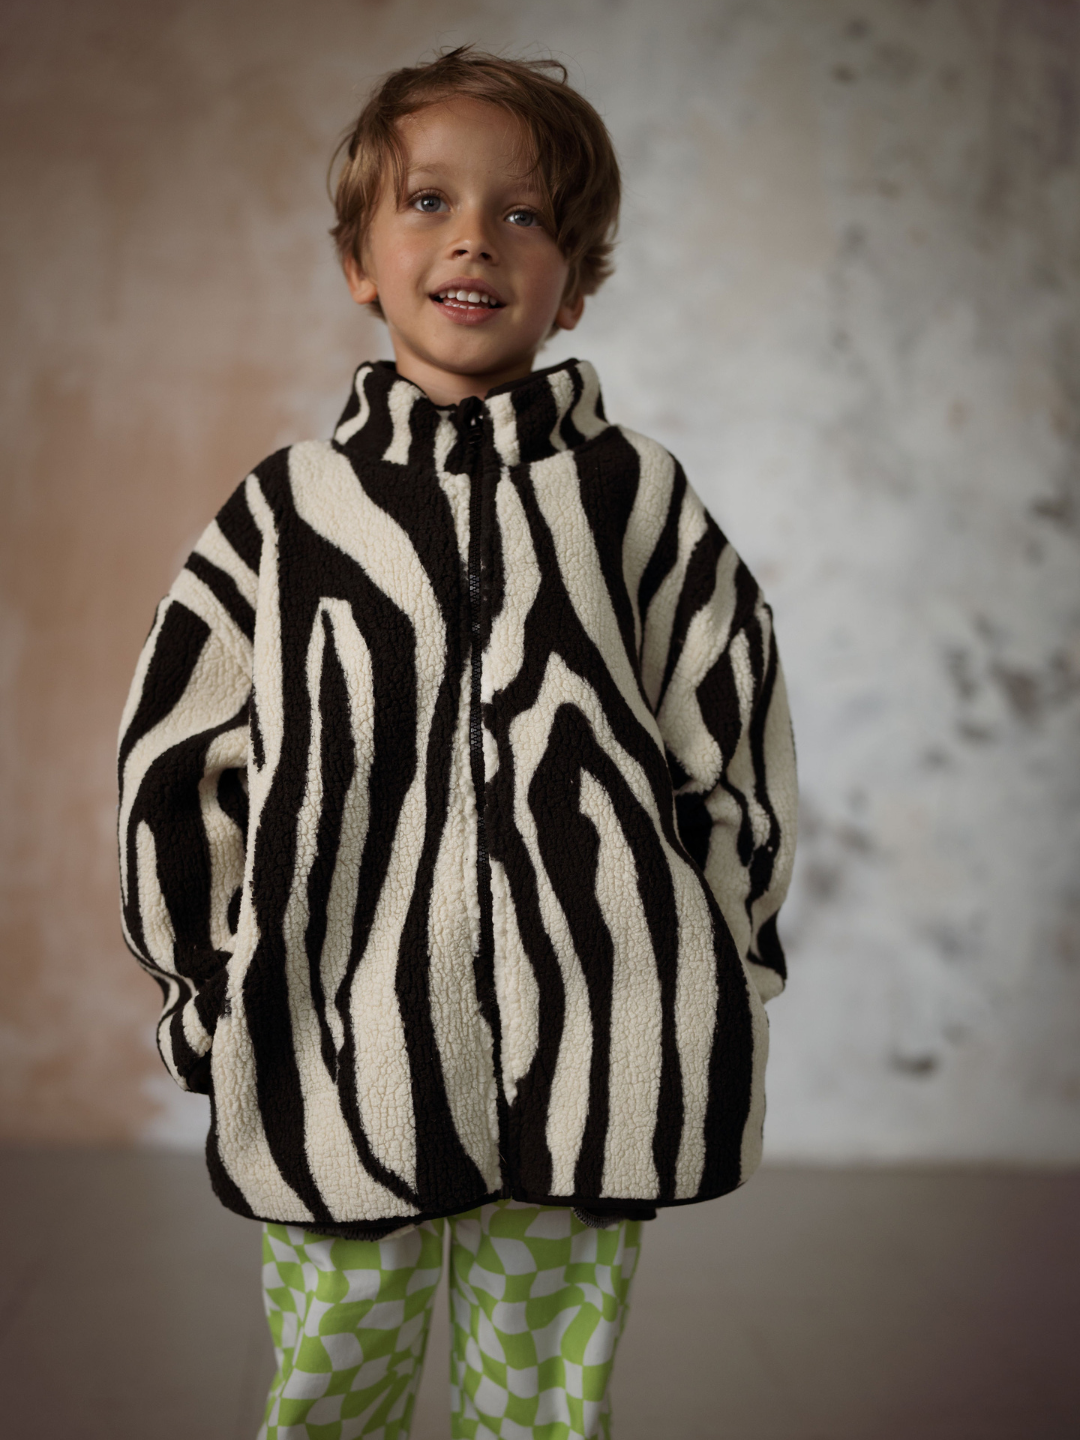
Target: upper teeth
point(469, 297)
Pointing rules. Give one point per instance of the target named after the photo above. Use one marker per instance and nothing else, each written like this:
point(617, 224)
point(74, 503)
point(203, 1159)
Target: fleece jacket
point(457, 805)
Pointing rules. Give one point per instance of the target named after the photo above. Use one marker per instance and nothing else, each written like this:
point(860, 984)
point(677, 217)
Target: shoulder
point(273, 475)
point(266, 491)
point(651, 453)
point(220, 578)
point(658, 466)
point(622, 454)
point(662, 481)
point(637, 451)
point(687, 536)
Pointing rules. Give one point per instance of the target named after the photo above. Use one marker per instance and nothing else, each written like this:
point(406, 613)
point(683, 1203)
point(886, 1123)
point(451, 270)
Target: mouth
point(468, 301)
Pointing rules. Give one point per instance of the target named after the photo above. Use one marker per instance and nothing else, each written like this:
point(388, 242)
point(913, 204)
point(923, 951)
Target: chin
point(463, 360)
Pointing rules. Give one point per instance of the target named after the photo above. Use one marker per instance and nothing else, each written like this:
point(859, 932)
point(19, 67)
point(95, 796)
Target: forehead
point(461, 135)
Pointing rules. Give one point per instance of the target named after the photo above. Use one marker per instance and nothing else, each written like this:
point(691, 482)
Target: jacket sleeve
point(711, 671)
point(183, 787)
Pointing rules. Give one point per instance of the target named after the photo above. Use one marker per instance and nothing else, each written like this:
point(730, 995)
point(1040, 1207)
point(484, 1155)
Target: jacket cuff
point(197, 1076)
point(210, 1001)
point(767, 982)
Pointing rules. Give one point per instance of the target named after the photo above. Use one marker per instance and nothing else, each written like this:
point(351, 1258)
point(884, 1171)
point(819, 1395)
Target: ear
point(362, 289)
point(569, 312)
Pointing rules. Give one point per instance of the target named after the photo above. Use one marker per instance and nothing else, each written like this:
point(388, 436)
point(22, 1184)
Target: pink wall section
point(171, 312)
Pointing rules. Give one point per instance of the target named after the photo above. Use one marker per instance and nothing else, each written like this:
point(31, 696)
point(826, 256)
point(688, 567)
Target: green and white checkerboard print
point(537, 1303)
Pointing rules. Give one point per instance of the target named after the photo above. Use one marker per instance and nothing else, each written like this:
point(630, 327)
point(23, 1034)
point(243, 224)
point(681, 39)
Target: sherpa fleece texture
point(402, 1002)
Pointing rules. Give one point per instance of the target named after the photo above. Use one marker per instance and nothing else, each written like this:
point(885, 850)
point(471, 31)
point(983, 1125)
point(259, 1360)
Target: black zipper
point(476, 742)
point(486, 958)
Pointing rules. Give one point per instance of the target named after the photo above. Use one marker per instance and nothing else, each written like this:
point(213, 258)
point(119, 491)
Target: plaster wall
point(846, 297)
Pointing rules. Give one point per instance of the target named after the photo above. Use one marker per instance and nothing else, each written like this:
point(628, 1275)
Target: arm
point(182, 775)
point(713, 675)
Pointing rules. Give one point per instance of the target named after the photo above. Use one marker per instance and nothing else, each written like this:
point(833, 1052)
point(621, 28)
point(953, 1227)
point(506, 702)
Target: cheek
point(549, 277)
point(397, 260)
point(397, 267)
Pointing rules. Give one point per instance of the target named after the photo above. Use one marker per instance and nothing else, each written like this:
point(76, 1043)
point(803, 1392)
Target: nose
point(465, 251)
point(474, 239)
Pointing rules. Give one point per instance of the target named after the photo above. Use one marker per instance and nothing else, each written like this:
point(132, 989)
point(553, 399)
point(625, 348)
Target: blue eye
point(525, 218)
point(428, 204)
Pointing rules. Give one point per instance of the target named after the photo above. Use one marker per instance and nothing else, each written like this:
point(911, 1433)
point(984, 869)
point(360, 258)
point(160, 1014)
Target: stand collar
point(389, 418)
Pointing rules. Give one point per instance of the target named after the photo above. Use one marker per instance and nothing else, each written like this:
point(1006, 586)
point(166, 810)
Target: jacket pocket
point(211, 1002)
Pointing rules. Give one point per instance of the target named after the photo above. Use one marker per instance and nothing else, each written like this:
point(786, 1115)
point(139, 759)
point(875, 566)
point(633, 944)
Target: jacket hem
point(592, 1210)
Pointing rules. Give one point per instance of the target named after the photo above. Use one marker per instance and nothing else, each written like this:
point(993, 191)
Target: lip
point(459, 314)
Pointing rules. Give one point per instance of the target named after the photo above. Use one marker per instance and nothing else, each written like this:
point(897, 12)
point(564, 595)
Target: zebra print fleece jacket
point(457, 803)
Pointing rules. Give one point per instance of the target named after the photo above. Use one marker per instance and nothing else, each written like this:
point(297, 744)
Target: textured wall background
point(847, 298)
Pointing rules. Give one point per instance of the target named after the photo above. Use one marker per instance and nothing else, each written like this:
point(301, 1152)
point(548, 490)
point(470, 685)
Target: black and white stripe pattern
point(403, 1001)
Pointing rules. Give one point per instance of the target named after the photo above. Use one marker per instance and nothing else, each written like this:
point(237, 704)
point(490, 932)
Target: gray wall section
point(846, 297)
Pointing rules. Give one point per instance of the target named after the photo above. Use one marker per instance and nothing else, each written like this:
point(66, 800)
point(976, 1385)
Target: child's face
point(470, 223)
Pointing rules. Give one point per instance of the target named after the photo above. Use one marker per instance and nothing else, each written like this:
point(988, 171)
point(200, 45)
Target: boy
point(457, 804)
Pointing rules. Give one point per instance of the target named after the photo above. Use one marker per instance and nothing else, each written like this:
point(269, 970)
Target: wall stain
point(917, 1067)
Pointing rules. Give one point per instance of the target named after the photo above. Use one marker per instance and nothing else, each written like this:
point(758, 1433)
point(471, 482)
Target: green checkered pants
point(537, 1303)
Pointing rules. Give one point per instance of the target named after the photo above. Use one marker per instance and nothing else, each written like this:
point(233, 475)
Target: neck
point(450, 387)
